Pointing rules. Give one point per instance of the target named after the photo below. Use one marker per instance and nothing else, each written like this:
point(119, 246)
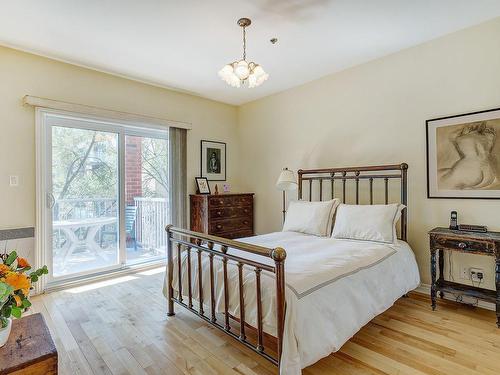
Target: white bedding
point(334, 287)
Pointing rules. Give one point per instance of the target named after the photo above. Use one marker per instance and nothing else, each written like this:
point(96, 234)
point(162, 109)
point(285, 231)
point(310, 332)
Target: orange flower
point(22, 262)
point(4, 269)
point(18, 281)
point(18, 300)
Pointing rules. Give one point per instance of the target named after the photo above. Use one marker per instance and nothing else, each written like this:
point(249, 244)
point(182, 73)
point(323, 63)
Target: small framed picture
point(463, 156)
point(213, 160)
point(202, 185)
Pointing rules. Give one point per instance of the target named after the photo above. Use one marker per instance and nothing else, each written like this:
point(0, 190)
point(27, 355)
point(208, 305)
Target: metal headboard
point(357, 174)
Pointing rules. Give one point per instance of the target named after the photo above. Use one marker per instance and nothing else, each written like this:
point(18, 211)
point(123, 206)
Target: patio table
point(91, 227)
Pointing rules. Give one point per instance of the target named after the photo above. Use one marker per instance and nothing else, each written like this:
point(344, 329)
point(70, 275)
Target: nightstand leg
point(497, 282)
point(433, 279)
point(441, 270)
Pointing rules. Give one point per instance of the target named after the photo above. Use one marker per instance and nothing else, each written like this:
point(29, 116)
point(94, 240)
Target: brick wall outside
point(133, 169)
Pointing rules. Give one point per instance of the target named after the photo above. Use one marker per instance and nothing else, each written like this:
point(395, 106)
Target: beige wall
point(375, 114)
point(22, 73)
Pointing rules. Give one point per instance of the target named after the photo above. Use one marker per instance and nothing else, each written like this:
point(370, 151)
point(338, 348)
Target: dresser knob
point(245, 222)
point(245, 211)
point(221, 201)
point(462, 245)
point(219, 226)
point(219, 213)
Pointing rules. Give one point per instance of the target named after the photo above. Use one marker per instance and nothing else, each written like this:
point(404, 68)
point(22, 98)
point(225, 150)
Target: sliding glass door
point(106, 188)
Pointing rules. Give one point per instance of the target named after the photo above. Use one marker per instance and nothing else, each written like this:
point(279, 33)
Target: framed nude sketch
point(213, 160)
point(463, 156)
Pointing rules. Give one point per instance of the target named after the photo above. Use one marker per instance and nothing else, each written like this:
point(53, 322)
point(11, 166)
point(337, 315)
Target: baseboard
point(426, 289)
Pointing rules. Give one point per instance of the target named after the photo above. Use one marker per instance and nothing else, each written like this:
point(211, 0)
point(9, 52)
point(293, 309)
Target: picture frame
point(463, 156)
point(202, 185)
point(213, 160)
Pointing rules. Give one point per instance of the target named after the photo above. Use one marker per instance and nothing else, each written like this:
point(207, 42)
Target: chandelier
point(242, 72)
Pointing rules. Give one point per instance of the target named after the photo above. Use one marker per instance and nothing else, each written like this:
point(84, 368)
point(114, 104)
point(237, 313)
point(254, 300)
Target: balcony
point(86, 235)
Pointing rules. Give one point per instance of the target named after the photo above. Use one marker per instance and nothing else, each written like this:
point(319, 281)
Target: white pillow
point(367, 222)
point(310, 217)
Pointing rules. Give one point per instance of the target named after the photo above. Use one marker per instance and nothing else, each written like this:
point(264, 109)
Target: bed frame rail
point(183, 240)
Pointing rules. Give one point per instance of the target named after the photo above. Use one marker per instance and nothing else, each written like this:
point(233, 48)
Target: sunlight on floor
point(100, 284)
point(153, 271)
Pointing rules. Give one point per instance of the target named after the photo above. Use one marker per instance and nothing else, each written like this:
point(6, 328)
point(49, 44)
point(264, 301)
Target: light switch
point(14, 181)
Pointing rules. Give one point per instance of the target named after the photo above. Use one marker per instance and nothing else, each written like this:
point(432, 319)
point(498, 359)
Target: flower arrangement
point(15, 285)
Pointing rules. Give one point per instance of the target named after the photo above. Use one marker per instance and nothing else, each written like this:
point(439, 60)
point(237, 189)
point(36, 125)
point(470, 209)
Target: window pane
point(85, 189)
point(146, 202)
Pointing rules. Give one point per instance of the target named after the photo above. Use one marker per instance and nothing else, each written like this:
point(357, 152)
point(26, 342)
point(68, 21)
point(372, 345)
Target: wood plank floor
point(120, 327)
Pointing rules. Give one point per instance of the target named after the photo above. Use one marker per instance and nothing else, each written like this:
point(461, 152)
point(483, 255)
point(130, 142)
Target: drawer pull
point(219, 213)
point(218, 226)
point(245, 210)
point(245, 222)
point(462, 245)
point(221, 201)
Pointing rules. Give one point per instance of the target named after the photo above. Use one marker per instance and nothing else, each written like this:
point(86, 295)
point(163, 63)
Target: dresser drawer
point(465, 244)
point(230, 212)
point(230, 225)
point(230, 201)
point(240, 234)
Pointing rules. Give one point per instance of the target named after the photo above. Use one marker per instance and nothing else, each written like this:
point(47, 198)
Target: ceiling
point(182, 44)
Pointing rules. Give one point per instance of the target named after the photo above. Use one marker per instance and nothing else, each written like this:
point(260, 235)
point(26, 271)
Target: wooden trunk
point(30, 349)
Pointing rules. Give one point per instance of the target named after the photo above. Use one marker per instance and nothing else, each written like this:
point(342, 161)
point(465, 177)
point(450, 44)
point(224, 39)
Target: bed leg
point(170, 275)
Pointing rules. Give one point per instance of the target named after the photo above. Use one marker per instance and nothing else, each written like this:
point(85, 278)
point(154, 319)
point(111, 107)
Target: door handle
point(51, 201)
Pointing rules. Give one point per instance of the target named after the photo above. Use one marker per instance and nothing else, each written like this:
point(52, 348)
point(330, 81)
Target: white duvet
point(334, 287)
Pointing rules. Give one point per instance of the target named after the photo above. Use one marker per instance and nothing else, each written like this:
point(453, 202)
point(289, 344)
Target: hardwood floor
point(121, 327)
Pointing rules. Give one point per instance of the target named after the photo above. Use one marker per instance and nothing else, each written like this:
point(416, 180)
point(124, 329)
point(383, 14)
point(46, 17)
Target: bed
point(298, 305)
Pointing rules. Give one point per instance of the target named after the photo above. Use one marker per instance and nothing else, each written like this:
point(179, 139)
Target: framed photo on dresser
point(213, 160)
point(202, 185)
point(463, 156)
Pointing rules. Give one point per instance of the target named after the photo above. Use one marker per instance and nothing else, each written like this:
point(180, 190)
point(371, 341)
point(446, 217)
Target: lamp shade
point(286, 180)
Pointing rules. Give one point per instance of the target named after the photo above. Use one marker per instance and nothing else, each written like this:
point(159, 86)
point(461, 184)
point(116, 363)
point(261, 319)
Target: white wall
point(22, 73)
point(375, 114)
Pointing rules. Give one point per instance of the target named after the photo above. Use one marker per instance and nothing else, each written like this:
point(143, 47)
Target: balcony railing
point(152, 217)
point(150, 221)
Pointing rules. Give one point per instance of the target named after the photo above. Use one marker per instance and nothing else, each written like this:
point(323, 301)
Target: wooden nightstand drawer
point(464, 244)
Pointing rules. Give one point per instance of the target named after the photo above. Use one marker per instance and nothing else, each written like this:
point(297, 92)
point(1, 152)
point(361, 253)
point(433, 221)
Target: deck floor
point(120, 327)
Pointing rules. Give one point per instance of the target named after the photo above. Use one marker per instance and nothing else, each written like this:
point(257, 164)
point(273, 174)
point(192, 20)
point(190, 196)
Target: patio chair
point(130, 218)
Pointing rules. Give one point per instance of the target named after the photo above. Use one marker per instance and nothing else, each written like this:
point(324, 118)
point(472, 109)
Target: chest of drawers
point(225, 215)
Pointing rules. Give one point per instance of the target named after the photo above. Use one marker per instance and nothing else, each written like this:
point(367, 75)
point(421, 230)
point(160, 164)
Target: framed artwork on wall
point(202, 185)
point(463, 156)
point(213, 160)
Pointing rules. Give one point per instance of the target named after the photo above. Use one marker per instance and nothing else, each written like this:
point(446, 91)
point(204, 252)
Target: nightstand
point(442, 239)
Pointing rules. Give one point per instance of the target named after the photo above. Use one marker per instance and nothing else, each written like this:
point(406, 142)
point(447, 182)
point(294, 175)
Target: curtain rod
point(101, 112)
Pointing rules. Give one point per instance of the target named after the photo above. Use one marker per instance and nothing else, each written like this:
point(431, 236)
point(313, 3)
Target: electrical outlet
point(476, 274)
point(472, 273)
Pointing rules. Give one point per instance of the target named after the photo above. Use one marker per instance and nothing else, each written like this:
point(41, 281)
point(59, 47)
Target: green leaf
point(16, 312)
point(26, 303)
point(11, 258)
point(34, 278)
point(6, 311)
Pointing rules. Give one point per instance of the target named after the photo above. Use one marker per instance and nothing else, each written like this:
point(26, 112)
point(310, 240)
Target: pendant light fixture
point(241, 72)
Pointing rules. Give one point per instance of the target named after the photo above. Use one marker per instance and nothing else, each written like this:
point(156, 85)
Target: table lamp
point(286, 182)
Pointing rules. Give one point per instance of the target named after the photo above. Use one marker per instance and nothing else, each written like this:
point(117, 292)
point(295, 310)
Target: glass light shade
point(242, 70)
point(239, 72)
point(286, 180)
